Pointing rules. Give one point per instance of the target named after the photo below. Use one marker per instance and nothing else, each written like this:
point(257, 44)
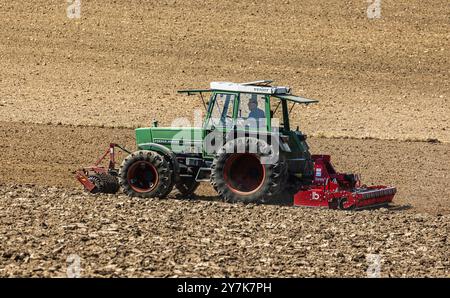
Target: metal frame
point(83, 174)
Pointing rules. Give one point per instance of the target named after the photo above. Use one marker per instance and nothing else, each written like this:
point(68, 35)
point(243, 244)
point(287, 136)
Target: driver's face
point(252, 105)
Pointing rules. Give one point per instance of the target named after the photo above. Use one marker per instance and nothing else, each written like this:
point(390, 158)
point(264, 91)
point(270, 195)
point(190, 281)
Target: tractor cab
point(258, 109)
point(249, 106)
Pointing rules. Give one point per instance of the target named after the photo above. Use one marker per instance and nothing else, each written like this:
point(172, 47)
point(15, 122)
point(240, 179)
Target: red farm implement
point(340, 191)
point(98, 178)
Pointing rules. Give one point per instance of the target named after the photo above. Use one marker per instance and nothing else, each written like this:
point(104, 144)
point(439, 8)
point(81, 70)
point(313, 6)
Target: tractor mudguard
point(165, 152)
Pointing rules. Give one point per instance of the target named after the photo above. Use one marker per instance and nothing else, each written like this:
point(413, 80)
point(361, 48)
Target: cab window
point(222, 111)
point(251, 112)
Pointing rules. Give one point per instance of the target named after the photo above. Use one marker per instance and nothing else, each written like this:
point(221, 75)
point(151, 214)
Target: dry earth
point(121, 236)
point(383, 84)
point(121, 63)
point(41, 226)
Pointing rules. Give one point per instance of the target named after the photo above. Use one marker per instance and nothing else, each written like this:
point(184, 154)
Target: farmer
point(255, 112)
point(256, 117)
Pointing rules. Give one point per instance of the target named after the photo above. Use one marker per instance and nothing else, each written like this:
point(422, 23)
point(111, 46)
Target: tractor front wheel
point(146, 174)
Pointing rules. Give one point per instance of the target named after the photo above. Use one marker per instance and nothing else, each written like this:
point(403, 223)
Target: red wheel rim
point(243, 173)
point(142, 176)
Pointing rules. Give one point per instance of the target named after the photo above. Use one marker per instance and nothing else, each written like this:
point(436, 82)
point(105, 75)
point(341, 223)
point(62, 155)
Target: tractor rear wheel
point(242, 177)
point(146, 174)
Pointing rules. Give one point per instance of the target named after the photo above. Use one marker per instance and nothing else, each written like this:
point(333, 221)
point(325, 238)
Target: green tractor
point(245, 148)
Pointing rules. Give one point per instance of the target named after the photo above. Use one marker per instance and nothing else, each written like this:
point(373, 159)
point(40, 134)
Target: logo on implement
point(315, 196)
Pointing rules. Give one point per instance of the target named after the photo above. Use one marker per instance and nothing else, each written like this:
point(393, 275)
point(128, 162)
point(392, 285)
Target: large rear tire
point(146, 174)
point(241, 177)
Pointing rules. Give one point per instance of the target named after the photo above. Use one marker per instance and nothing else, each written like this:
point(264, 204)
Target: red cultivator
point(99, 179)
point(340, 191)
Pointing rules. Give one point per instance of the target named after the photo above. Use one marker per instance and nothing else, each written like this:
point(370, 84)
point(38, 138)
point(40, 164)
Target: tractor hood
point(177, 139)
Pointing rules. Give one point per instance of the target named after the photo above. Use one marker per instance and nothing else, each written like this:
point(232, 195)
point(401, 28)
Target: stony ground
point(68, 87)
point(119, 236)
point(122, 62)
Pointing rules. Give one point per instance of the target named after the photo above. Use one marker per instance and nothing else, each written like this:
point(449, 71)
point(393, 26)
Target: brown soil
point(120, 236)
point(121, 63)
point(380, 82)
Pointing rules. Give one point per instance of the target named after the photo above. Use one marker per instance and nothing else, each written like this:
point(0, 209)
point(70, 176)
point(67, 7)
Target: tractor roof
point(251, 87)
point(258, 87)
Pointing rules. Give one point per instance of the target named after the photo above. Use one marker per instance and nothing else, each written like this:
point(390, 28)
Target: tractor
point(245, 148)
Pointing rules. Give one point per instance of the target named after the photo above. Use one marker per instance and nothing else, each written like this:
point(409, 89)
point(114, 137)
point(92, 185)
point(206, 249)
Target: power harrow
point(340, 191)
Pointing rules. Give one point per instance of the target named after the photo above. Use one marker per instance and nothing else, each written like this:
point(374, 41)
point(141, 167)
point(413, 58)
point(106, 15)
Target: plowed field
point(70, 86)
